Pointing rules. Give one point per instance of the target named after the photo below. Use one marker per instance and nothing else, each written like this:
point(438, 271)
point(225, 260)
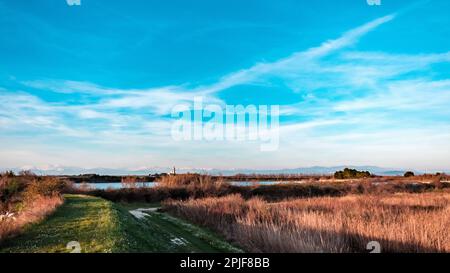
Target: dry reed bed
point(400, 222)
point(34, 212)
point(26, 199)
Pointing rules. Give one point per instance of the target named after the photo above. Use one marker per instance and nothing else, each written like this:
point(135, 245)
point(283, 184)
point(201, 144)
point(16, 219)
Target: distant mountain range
point(319, 170)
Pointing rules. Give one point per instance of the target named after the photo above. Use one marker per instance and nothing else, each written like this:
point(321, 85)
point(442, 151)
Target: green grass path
point(102, 226)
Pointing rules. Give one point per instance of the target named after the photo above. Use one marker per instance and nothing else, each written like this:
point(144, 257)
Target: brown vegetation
point(129, 182)
point(32, 212)
point(185, 186)
point(203, 182)
point(26, 199)
point(400, 222)
point(180, 187)
point(403, 214)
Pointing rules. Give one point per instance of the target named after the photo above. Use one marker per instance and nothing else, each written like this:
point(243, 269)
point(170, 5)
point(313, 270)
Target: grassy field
point(102, 226)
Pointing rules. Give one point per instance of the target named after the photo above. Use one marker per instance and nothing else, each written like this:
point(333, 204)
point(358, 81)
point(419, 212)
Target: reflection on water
point(255, 183)
point(104, 186)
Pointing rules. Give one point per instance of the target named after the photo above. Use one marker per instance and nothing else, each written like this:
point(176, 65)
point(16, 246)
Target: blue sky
point(93, 85)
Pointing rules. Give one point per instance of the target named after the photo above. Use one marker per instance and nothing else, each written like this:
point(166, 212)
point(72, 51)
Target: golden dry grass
point(189, 180)
point(35, 211)
point(192, 183)
point(400, 222)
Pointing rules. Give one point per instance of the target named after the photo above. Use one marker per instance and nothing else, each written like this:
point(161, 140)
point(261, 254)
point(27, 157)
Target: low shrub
point(46, 187)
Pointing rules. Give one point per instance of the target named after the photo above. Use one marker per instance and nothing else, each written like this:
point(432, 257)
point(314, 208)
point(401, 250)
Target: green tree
point(348, 173)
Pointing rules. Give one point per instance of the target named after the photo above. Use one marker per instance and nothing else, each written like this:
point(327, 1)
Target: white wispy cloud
point(297, 61)
point(162, 100)
point(419, 94)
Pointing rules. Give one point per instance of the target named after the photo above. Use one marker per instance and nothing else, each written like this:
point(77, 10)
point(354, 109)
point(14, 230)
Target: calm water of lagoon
point(104, 186)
